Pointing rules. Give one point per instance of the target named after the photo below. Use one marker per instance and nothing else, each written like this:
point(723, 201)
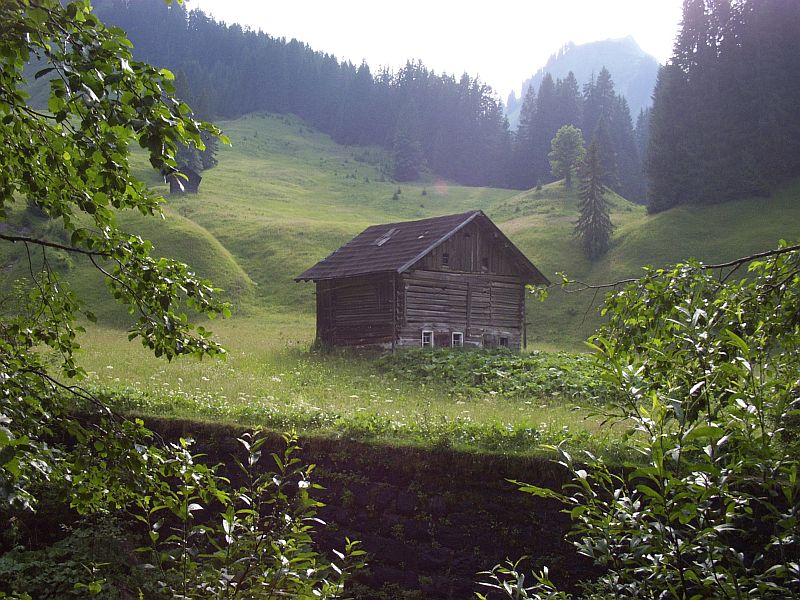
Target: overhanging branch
point(49, 244)
point(580, 286)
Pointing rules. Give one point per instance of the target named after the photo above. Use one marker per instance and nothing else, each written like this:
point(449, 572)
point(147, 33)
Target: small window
point(485, 262)
point(427, 339)
point(503, 341)
point(458, 339)
point(445, 259)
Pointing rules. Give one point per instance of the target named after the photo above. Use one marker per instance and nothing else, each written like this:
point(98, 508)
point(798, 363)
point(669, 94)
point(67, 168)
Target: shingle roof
point(396, 247)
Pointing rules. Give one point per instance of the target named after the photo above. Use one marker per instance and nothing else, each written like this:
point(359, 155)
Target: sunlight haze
point(502, 44)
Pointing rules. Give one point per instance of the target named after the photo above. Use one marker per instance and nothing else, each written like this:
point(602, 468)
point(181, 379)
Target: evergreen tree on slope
point(594, 227)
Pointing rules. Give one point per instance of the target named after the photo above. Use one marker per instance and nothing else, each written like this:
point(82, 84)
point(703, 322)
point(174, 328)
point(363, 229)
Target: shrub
point(202, 536)
point(709, 370)
point(257, 541)
point(558, 375)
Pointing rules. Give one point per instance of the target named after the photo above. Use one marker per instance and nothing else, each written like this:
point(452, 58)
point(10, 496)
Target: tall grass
point(272, 379)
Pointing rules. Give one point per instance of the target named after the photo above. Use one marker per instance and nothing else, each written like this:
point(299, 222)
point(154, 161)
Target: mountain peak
point(632, 69)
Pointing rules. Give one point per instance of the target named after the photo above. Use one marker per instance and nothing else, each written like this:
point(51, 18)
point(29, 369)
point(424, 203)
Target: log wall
point(485, 308)
point(468, 284)
point(356, 311)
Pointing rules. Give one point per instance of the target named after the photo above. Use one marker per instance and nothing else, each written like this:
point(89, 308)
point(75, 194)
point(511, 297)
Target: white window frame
point(430, 340)
point(500, 343)
point(460, 335)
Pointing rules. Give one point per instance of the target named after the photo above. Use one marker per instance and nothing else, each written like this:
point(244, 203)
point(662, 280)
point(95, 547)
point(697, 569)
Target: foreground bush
point(199, 534)
point(69, 165)
point(708, 367)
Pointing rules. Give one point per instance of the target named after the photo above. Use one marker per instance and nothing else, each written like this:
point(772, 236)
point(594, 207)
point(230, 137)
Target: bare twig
point(581, 286)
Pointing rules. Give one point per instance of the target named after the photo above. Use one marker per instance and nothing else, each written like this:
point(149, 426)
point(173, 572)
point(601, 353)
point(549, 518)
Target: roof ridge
point(450, 216)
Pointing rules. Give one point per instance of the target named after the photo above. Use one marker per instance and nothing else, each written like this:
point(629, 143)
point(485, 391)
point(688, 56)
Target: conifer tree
point(594, 227)
point(668, 166)
point(724, 122)
point(545, 126)
point(525, 175)
point(629, 166)
point(598, 97)
point(642, 132)
point(606, 154)
point(569, 100)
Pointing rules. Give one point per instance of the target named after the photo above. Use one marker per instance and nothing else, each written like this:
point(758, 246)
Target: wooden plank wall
point(473, 249)
point(356, 311)
point(483, 307)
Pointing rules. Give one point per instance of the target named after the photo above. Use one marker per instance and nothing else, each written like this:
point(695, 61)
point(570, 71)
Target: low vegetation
point(490, 401)
point(707, 367)
point(543, 376)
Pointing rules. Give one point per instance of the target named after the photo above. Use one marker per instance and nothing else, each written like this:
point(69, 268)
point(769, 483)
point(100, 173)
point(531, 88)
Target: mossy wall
point(430, 520)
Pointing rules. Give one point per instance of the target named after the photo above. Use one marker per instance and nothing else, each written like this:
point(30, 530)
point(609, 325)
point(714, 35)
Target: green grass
point(541, 222)
point(271, 379)
point(284, 196)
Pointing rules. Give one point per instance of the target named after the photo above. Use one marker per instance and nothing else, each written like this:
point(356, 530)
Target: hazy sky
point(502, 43)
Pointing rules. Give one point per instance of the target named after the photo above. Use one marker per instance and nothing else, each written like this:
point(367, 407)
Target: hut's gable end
point(475, 248)
point(487, 310)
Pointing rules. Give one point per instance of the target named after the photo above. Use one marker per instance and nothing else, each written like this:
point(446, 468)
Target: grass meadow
point(271, 378)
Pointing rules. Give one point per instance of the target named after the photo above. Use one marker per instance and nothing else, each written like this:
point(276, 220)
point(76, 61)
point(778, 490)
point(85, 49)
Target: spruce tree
point(606, 154)
point(668, 166)
point(545, 126)
point(569, 100)
point(524, 173)
point(598, 98)
point(629, 165)
point(593, 228)
point(642, 132)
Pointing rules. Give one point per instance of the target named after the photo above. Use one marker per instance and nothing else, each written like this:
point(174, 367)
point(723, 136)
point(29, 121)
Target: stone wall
point(429, 519)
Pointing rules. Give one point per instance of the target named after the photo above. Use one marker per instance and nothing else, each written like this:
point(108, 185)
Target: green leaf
point(704, 432)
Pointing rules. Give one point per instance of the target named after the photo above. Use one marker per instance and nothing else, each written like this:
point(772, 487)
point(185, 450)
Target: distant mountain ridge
point(632, 69)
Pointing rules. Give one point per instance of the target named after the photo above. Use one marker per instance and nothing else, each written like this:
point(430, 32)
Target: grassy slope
point(285, 196)
point(541, 223)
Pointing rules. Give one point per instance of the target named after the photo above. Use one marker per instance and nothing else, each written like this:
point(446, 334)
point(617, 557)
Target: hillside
point(633, 70)
point(285, 196)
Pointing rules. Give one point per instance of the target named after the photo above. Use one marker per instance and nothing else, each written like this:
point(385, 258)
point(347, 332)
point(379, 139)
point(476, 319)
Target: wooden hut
point(455, 280)
point(179, 185)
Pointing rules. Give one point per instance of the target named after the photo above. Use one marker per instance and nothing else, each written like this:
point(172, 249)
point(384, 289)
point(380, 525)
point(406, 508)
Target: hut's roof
point(396, 247)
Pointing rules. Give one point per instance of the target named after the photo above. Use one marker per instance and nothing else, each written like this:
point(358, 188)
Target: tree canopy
point(599, 112)
point(724, 123)
point(70, 163)
point(566, 153)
